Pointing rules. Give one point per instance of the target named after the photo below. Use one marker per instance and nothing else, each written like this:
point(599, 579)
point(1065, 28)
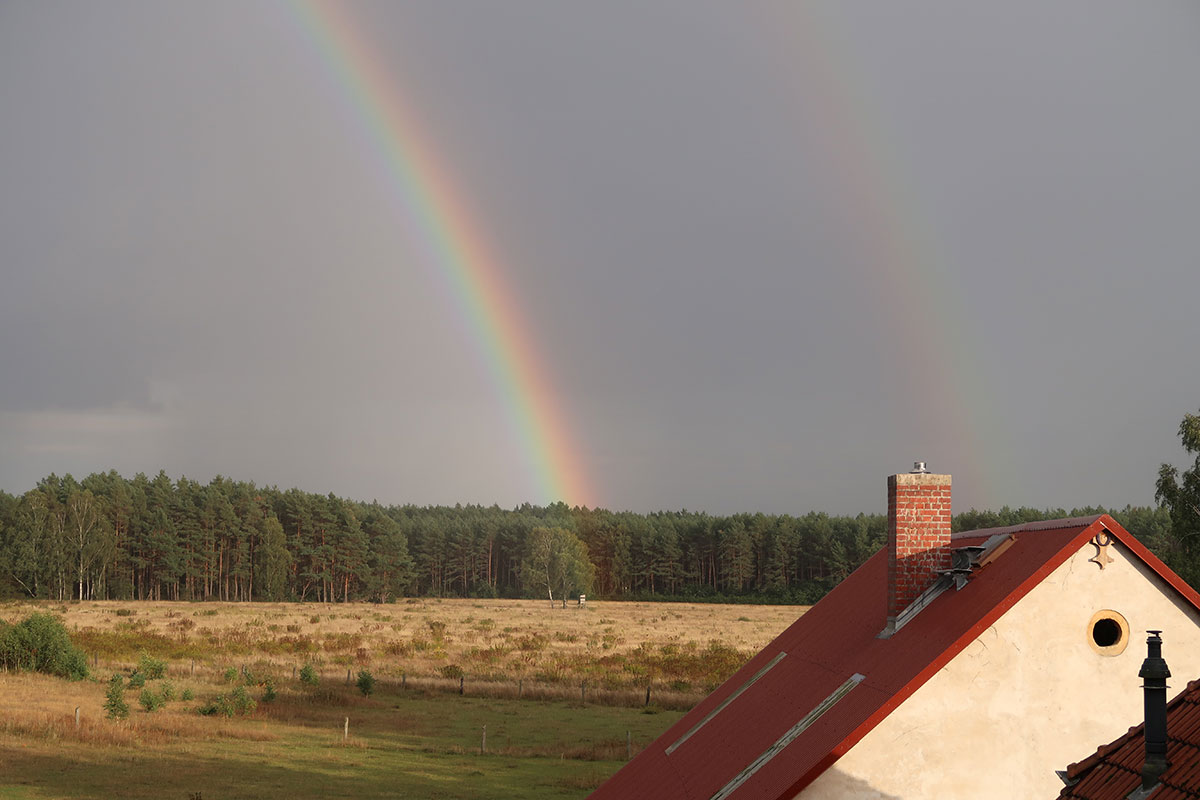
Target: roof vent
point(1154, 673)
point(919, 467)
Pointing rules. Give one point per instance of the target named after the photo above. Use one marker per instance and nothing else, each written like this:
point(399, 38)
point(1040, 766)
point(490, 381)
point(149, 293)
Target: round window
point(1108, 633)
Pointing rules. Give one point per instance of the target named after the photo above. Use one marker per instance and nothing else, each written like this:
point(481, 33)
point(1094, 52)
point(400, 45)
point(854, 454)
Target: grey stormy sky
point(771, 251)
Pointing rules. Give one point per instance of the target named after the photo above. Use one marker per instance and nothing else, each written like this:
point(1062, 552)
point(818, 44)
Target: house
point(965, 665)
point(1158, 759)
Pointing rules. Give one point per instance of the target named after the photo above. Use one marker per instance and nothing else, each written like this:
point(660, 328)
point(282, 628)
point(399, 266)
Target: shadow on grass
point(332, 771)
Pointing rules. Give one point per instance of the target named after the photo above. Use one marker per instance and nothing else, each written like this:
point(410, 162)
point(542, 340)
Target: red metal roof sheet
point(826, 647)
point(1115, 769)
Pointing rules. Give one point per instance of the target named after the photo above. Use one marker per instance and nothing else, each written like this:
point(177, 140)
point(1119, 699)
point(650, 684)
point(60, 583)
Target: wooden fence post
point(520, 688)
point(403, 680)
point(628, 745)
point(483, 742)
point(460, 684)
point(647, 694)
point(583, 691)
point(346, 730)
point(76, 717)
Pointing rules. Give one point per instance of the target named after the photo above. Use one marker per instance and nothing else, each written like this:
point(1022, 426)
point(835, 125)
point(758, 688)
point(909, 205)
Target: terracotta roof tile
point(1114, 770)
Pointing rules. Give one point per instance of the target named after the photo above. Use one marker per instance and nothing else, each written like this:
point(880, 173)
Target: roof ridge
point(1036, 525)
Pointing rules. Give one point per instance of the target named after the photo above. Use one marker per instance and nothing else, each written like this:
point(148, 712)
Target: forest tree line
point(108, 537)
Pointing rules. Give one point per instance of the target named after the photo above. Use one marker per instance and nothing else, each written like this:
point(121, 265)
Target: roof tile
point(1115, 769)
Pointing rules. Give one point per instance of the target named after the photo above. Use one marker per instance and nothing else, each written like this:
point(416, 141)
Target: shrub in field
point(136, 680)
point(40, 643)
point(532, 643)
point(149, 700)
point(115, 706)
point(243, 703)
point(269, 693)
point(308, 675)
point(153, 668)
point(188, 694)
point(231, 675)
point(220, 704)
point(366, 683)
point(398, 649)
point(167, 691)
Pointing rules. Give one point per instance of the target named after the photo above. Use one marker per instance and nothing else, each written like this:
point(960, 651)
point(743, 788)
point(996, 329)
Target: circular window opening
point(1108, 633)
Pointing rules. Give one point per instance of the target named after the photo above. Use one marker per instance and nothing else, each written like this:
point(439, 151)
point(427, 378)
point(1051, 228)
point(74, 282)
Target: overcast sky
point(770, 252)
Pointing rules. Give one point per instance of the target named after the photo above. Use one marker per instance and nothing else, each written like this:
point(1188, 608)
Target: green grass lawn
point(403, 744)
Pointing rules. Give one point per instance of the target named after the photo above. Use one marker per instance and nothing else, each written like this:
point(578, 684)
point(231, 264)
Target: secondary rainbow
point(457, 248)
point(914, 289)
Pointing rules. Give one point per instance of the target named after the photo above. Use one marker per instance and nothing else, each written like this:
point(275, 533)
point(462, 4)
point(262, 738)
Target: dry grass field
point(687, 648)
point(416, 736)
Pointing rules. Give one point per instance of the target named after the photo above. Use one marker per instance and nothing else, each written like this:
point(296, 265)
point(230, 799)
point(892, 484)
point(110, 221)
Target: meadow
point(472, 698)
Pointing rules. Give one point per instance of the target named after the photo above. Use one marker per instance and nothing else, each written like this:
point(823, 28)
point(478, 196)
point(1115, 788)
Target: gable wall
point(1027, 697)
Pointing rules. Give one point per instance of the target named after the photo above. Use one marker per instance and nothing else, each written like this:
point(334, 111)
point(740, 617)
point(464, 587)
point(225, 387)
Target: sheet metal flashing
point(726, 702)
point(789, 737)
point(967, 558)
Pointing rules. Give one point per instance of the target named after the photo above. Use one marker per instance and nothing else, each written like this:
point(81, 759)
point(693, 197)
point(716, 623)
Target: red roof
point(747, 742)
point(1115, 770)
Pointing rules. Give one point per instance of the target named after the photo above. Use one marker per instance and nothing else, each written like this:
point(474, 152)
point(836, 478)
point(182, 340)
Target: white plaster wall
point(1027, 697)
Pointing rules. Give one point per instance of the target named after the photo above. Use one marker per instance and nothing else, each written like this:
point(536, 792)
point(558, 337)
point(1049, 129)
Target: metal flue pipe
point(1154, 674)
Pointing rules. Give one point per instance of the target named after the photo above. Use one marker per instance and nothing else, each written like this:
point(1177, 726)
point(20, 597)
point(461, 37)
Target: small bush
point(136, 680)
point(115, 706)
point(366, 683)
point(167, 691)
point(231, 675)
point(243, 703)
point(149, 700)
point(218, 705)
point(451, 671)
point(40, 643)
point(125, 612)
point(269, 693)
point(308, 675)
point(188, 694)
point(153, 668)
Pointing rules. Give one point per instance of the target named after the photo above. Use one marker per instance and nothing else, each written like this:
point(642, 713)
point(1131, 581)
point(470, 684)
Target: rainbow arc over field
point(456, 246)
point(915, 288)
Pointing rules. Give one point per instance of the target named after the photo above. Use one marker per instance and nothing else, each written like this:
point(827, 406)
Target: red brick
point(918, 536)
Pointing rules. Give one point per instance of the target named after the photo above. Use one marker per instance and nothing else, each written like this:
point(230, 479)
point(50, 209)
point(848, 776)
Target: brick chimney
point(918, 535)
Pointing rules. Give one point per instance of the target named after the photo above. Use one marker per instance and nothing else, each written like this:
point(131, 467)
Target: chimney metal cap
point(919, 467)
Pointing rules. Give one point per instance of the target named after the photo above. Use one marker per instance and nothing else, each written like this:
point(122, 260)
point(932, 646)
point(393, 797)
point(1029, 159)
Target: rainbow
point(914, 289)
point(457, 248)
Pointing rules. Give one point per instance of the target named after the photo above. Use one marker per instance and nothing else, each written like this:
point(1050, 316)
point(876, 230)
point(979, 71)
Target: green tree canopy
point(557, 561)
point(1179, 492)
